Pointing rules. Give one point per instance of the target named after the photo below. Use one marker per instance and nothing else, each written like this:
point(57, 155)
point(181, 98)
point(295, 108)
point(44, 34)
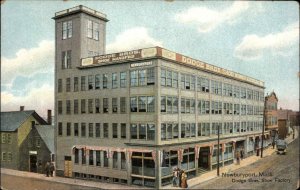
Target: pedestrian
point(238, 156)
point(175, 176)
point(184, 180)
point(47, 169)
point(52, 168)
point(273, 144)
point(179, 177)
point(242, 153)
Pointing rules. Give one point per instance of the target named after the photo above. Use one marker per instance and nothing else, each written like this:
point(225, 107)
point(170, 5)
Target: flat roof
point(78, 9)
point(159, 52)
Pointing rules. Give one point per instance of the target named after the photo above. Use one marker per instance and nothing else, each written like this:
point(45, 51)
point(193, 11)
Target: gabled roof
point(272, 94)
point(11, 121)
point(46, 132)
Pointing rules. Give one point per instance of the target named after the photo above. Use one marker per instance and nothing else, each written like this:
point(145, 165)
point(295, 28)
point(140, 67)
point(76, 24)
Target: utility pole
point(218, 152)
point(263, 130)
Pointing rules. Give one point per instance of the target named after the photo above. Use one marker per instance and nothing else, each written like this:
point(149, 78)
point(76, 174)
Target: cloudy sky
point(258, 39)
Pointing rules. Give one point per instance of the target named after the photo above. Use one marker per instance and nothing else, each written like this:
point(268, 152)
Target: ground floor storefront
point(153, 166)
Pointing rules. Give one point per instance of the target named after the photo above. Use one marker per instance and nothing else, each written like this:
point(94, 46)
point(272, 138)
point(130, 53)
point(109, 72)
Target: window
point(150, 76)
point(93, 30)
point(236, 92)
point(83, 157)
point(97, 81)
point(142, 131)
point(91, 82)
point(203, 107)
point(115, 105)
point(97, 131)
point(97, 105)
point(123, 130)
point(91, 157)
point(104, 81)
point(169, 104)
point(68, 107)
point(192, 106)
point(182, 81)
point(163, 77)
point(98, 161)
point(105, 154)
point(227, 90)
point(60, 130)
point(187, 82)
point(59, 89)
point(123, 104)
point(175, 80)
point(105, 130)
point(67, 29)
point(68, 85)
point(249, 94)
point(169, 79)
point(133, 131)
point(142, 104)
point(142, 78)
point(227, 108)
point(163, 104)
point(163, 131)
point(83, 106)
point(169, 131)
point(202, 84)
point(150, 104)
point(236, 109)
point(187, 105)
point(133, 78)
point(216, 107)
point(66, 59)
point(76, 133)
point(182, 130)
point(68, 129)
point(114, 80)
point(243, 93)
point(123, 80)
point(204, 129)
point(83, 129)
point(182, 105)
point(75, 84)
point(91, 130)
point(60, 109)
point(133, 104)
point(175, 105)
point(9, 140)
point(243, 109)
point(150, 131)
point(82, 83)
point(105, 105)
point(115, 130)
point(123, 161)
point(3, 156)
point(216, 87)
point(193, 80)
point(38, 141)
point(115, 160)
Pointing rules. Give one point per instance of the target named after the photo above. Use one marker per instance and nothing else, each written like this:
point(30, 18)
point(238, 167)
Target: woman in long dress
point(184, 180)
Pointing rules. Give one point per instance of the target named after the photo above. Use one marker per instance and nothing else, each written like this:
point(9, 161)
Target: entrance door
point(203, 161)
point(68, 166)
point(33, 163)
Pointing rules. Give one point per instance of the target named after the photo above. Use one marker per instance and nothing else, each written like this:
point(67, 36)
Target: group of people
point(49, 169)
point(239, 155)
point(179, 178)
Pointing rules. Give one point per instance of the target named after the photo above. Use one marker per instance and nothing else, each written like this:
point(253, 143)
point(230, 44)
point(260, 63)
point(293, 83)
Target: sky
point(259, 39)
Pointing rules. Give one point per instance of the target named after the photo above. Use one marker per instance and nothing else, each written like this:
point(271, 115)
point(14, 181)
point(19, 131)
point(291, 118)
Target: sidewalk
point(228, 169)
point(71, 181)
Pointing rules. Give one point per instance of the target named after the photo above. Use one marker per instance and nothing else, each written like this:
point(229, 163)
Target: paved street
point(280, 172)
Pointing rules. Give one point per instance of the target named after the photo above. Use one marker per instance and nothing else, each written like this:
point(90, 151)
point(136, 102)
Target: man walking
point(47, 169)
point(52, 168)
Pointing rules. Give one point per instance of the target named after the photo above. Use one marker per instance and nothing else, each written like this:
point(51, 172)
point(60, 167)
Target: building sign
point(32, 152)
point(141, 64)
point(160, 52)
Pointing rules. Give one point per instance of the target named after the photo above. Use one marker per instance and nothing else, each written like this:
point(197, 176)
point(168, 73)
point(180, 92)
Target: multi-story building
point(27, 141)
point(271, 115)
point(131, 117)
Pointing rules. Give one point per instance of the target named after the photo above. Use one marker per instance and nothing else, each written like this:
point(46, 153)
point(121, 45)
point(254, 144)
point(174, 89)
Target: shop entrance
point(203, 161)
point(33, 163)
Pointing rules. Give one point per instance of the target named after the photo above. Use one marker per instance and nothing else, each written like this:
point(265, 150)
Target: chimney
point(22, 108)
point(49, 117)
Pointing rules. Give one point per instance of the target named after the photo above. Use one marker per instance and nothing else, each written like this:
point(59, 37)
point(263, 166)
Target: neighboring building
point(131, 117)
point(287, 120)
point(23, 143)
point(271, 115)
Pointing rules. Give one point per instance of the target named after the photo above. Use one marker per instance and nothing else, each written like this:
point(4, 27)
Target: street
point(271, 172)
